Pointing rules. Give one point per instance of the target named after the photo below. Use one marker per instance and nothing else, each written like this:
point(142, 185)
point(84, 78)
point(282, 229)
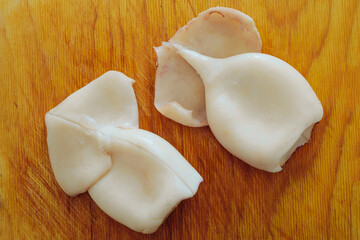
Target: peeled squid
point(94, 143)
point(259, 107)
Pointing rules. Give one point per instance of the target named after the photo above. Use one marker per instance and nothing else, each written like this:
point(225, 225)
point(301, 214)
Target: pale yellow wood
point(51, 48)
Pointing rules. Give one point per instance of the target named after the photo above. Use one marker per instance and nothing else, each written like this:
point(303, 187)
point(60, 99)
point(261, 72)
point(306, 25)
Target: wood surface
point(49, 49)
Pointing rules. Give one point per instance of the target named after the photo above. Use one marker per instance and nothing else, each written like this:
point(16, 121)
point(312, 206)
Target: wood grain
point(51, 48)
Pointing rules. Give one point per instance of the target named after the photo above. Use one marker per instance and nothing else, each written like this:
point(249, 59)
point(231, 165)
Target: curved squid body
point(258, 107)
point(95, 145)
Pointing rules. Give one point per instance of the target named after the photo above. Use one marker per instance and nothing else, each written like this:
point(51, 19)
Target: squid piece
point(95, 145)
point(147, 181)
point(259, 107)
point(217, 32)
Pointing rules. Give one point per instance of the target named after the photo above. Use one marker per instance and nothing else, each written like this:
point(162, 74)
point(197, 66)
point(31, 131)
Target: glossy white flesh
point(258, 106)
point(135, 176)
point(147, 181)
point(108, 100)
point(216, 32)
point(75, 155)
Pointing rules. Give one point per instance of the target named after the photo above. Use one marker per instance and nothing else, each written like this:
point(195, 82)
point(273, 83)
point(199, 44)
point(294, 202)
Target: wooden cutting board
point(49, 49)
